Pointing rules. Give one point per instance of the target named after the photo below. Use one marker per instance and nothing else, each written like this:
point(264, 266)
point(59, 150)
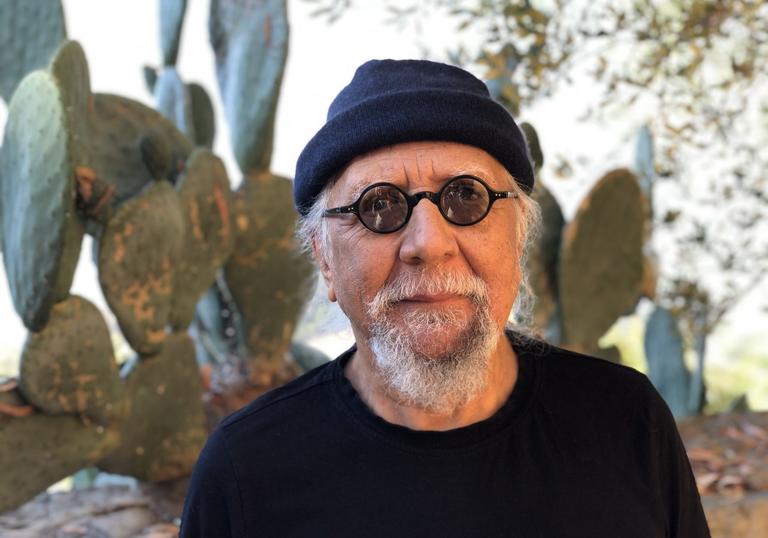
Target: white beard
point(435, 382)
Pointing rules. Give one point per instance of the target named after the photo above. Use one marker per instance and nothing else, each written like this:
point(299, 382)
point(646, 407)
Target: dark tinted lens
point(383, 208)
point(464, 201)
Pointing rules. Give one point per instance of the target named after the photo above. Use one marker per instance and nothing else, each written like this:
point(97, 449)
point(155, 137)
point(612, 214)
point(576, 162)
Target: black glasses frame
point(413, 199)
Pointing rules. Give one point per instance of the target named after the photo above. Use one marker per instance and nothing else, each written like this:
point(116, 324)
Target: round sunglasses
point(385, 208)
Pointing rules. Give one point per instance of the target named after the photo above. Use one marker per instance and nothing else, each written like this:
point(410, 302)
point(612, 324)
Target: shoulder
point(587, 383)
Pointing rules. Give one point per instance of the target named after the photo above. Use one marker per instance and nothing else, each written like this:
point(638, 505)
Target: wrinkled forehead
point(417, 166)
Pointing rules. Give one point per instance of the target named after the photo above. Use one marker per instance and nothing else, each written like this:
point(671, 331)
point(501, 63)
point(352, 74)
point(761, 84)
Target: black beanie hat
point(389, 102)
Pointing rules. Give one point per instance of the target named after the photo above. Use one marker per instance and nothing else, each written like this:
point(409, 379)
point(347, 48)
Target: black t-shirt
point(582, 448)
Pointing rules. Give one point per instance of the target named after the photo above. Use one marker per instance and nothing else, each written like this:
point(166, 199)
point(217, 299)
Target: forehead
point(420, 165)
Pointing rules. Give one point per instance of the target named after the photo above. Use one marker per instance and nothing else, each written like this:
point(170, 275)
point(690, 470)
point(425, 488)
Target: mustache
point(411, 284)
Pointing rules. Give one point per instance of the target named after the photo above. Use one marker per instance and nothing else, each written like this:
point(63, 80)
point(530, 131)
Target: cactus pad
point(544, 260)
point(38, 450)
point(601, 261)
point(202, 116)
point(69, 366)
point(267, 276)
point(644, 159)
point(30, 32)
point(171, 20)
point(41, 232)
point(70, 69)
point(666, 367)
point(250, 41)
point(534, 146)
point(172, 100)
point(165, 429)
point(116, 127)
point(137, 255)
point(206, 201)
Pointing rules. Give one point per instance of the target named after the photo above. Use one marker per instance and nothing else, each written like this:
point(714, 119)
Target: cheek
point(361, 266)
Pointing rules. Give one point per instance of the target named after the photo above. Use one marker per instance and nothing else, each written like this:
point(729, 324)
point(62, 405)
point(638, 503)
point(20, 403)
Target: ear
point(321, 258)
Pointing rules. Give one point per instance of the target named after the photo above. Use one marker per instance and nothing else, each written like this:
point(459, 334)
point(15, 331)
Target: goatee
point(407, 365)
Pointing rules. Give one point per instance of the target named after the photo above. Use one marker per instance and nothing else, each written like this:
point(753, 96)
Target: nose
point(427, 238)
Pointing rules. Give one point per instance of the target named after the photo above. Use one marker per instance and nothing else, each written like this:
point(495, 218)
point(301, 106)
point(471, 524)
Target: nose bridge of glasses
point(419, 196)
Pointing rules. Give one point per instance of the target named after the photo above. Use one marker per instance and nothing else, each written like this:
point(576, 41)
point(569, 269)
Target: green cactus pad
point(117, 125)
point(172, 100)
point(70, 69)
point(41, 231)
point(250, 41)
point(165, 428)
point(69, 366)
point(544, 259)
point(202, 116)
point(666, 366)
point(171, 20)
point(30, 32)
point(39, 450)
point(206, 201)
point(267, 276)
point(601, 261)
point(138, 252)
point(534, 146)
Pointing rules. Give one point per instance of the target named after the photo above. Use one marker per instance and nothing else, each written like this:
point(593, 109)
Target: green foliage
point(41, 232)
point(30, 32)
point(250, 41)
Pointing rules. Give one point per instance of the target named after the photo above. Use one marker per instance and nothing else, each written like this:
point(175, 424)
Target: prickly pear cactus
point(666, 367)
point(138, 252)
point(30, 32)
point(171, 21)
point(644, 159)
point(544, 262)
point(165, 427)
point(116, 126)
point(203, 118)
point(534, 146)
point(69, 366)
point(267, 276)
point(38, 450)
point(206, 202)
point(41, 231)
point(107, 132)
point(70, 69)
point(173, 101)
point(250, 41)
point(601, 261)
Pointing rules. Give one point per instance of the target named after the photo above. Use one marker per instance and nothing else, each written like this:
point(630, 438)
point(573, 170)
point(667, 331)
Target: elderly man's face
point(427, 248)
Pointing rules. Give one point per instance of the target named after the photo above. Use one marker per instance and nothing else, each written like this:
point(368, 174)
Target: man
point(414, 200)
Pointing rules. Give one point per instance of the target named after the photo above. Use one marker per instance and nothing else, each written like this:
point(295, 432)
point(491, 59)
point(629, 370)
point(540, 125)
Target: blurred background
point(648, 122)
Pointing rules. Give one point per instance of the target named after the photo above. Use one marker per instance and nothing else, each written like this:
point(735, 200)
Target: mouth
point(427, 299)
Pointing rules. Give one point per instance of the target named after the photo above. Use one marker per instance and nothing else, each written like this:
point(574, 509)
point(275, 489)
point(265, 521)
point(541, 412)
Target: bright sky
point(120, 36)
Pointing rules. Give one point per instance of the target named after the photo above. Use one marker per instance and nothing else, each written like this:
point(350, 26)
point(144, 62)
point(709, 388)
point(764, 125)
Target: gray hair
point(312, 229)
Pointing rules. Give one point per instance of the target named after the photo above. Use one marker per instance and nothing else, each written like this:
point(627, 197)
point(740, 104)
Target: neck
point(502, 375)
